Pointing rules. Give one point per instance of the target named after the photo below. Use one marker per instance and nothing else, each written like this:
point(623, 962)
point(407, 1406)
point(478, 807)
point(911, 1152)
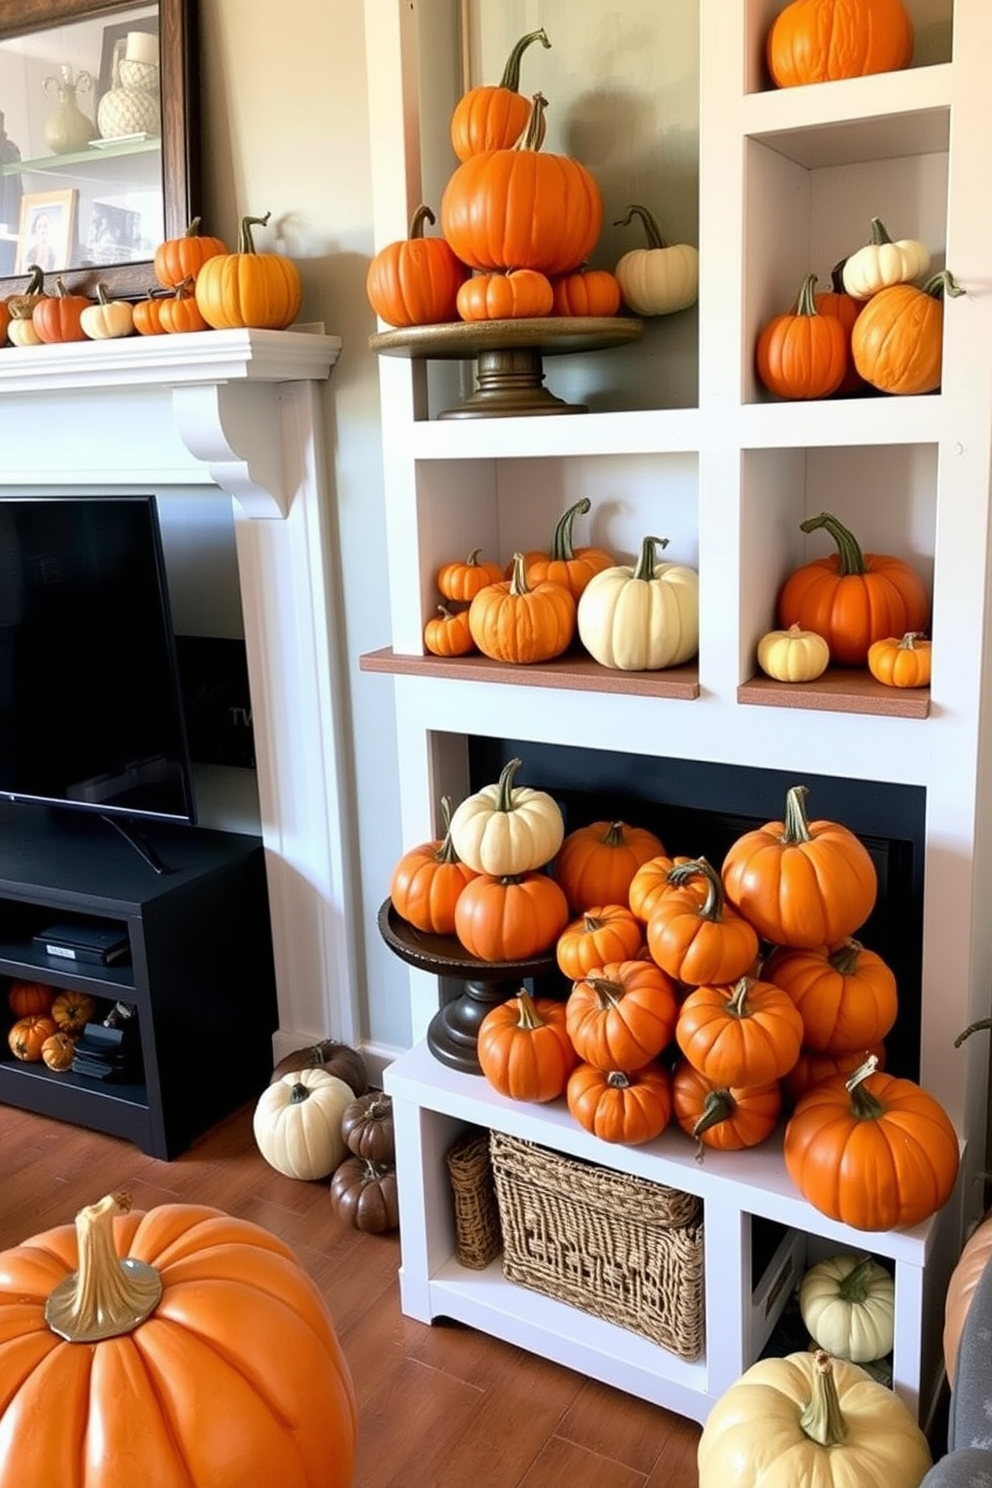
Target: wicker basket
point(477, 1233)
point(621, 1248)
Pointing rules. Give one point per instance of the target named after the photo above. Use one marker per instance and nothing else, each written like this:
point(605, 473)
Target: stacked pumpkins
point(318, 1119)
point(47, 1023)
point(713, 997)
point(518, 224)
point(629, 617)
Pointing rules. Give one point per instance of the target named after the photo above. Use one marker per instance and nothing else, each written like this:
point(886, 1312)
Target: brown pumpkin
point(364, 1193)
point(518, 622)
point(415, 281)
point(27, 1036)
point(339, 1060)
point(492, 117)
point(367, 1128)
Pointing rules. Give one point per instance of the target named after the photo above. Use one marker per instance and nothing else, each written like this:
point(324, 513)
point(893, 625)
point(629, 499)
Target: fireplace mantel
point(239, 411)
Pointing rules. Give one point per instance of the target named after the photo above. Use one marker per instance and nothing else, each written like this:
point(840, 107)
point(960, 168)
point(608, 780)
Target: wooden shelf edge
point(579, 673)
point(838, 691)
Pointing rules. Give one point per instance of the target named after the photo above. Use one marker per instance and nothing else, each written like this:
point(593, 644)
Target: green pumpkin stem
point(246, 243)
point(806, 299)
point(837, 277)
point(845, 959)
point(518, 581)
point(421, 215)
point(864, 1106)
point(718, 1106)
point(822, 1419)
point(504, 791)
point(36, 283)
point(618, 1080)
point(879, 233)
point(942, 284)
point(646, 558)
point(511, 72)
point(854, 1287)
point(106, 1296)
point(561, 543)
point(852, 559)
point(650, 222)
point(983, 1023)
point(299, 1094)
point(712, 906)
point(796, 825)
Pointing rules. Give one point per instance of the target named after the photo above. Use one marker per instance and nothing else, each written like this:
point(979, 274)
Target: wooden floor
point(439, 1406)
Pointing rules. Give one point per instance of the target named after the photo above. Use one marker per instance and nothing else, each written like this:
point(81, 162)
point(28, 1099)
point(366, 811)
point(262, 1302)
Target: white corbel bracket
point(234, 429)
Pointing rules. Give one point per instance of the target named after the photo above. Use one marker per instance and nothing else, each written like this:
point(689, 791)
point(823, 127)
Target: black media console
point(199, 979)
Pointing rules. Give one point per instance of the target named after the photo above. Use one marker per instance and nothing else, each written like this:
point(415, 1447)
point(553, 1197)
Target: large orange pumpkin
point(818, 41)
point(415, 281)
point(852, 598)
point(620, 1107)
point(524, 1050)
point(621, 1015)
point(801, 353)
point(597, 862)
point(846, 997)
point(493, 117)
point(520, 208)
point(261, 290)
point(898, 339)
point(873, 1151)
point(206, 1357)
point(512, 918)
point(801, 883)
point(56, 317)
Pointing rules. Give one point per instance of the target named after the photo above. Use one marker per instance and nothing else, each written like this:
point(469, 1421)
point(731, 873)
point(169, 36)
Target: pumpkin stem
point(320, 1053)
point(106, 1296)
point(965, 1033)
point(518, 581)
point(561, 542)
point(879, 233)
point(845, 959)
point(608, 992)
point(796, 825)
point(854, 1287)
point(36, 283)
point(614, 835)
point(651, 229)
point(736, 1006)
point(646, 559)
point(864, 1106)
point(529, 1018)
point(806, 300)
point(299, 1094)
point(193, 230)
point(446, 852)
point(421, 215)
point(822, 1419)
point(532, 137)
point(246, 243)
point(511, 72)
point(617, 1080)
point(712, 906)
point(837, 277)
point(504, 791)
point(942, 283)
point(852, 559)
point(718, 1106)
point(102, 297)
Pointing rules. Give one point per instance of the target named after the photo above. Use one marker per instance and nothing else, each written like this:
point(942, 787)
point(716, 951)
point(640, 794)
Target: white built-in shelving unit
point(680, 440)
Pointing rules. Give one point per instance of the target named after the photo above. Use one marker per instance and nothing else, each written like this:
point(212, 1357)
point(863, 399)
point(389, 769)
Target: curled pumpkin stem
point(106, 1296)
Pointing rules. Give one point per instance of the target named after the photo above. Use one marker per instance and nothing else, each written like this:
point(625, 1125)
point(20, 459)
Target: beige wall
point(285, 129)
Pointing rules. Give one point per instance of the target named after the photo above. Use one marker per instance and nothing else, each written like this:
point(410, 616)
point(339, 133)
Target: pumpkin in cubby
point(660, 278)
point(564, 563)
point(819, 41)
point(793, 655)
point(847, 1303)
point(27, 1035)
point(447, 633)
point(901, 662)
point(492, 117)
point(850, 597)
point(415, 281)
point(58, 1051)
point(587, 292)
point(25, 998)
point(597, 862)
point(641, 617)
point(882, 263)
point(73, 1010)
point(898, 339)
point(460, 579)
point(521, 622)
point(802, 353)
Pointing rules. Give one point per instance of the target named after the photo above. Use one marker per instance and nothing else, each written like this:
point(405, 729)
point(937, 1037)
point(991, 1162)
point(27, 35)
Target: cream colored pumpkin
point(108, 319)
point(882, 263)
point(848, 1304)
point(21, 331)
point(661, 278)
point(297, 1123)
point(809, 1421)
point(793, 655)
point(641, 618)
point(506, 829)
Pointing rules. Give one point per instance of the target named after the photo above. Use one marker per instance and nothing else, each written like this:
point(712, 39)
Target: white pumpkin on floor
point(297, 1123)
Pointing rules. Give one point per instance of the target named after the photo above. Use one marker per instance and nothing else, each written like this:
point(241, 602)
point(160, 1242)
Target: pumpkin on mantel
point(179, 1346)
point(249, 289)
point(58, 317)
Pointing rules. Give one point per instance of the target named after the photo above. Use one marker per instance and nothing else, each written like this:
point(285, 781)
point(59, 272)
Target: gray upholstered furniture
point(968, 1462)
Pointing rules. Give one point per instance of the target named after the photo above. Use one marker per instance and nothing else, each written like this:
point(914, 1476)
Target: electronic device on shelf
point(94, 942)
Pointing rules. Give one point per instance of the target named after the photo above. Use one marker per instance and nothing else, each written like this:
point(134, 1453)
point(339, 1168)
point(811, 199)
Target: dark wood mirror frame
point(178, 59)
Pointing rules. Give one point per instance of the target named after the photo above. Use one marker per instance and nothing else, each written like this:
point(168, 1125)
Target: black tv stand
point(133, 834)
point(199, 978)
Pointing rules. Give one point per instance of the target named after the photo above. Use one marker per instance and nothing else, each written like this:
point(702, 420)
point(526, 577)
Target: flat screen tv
point(90, 704)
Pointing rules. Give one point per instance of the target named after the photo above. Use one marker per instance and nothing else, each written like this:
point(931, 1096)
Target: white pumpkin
point(297, 1123)
point(505, 829)
point(641, 618)
point(661, 278)
point(793, 655)
point(882, 263)
point(848, 1304)
point(808, 1419)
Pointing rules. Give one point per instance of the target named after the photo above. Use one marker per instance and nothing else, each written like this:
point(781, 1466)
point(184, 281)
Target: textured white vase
point(131, 110)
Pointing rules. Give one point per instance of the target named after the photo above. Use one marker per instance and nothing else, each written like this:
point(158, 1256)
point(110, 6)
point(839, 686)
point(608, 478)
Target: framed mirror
point(99, 130)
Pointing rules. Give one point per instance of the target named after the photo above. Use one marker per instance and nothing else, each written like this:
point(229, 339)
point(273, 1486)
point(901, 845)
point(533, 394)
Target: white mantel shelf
point(238, 412)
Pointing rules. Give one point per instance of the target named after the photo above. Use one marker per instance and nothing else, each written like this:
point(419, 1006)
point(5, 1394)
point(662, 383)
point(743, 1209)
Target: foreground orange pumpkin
point(749, 1034)
point(57, 317)
point(874, 1151)
point(801, 883)
point(207, 1359)
point(852, 598)
point(523, 1048)
point(898, 339)
point(261, 290)
point(818, 41)
point(900, 663)
point(801, 353)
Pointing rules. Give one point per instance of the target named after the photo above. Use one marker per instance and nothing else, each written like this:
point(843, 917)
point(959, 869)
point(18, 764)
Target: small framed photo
point(46, 235)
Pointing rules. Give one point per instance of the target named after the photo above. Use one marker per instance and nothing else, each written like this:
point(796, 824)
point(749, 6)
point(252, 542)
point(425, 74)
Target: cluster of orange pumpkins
point(201, 286)
point(47, 1023)
point(880, 325)
point(517, 227)
point(674, 1010)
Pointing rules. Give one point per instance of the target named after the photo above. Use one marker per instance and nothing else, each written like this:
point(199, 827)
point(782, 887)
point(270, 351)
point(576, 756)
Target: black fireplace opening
point(698, 808)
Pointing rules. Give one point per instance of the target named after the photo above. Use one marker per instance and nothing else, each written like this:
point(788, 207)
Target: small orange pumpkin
point(518, 622)
point(180, 312)
point(518, 294)
point(73, 1010)
point(900, 663)
point(512, 918)
point(621, 1015)
point(802, 354)
point(564, 563)
point(608, 932)
point(653, 882)
point(726, 1118)
point(427, 881)
point(58, 1051)
point(461, 580)
point(596, 863)
point(148, 314)
point(592, 292)
point(749, 1034)
point(57, 317)
point(447, 633)
point(524, 1050)
point(27, 1036)
point(260, 290)
point(415, 281)
point(617, 1106)
point(180, 259)
point(492, 117)
point(701, 943)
